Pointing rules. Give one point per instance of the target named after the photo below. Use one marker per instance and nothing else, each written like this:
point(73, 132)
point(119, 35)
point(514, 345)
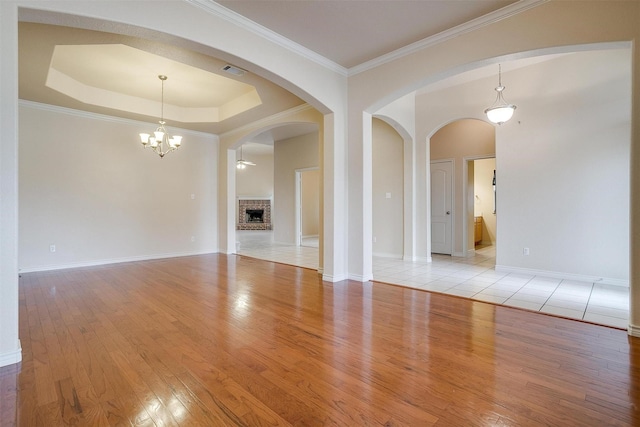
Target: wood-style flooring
point(222, 340)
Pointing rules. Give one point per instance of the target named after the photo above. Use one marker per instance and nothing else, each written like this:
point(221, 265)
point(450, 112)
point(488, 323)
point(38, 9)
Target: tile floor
point(472, 277)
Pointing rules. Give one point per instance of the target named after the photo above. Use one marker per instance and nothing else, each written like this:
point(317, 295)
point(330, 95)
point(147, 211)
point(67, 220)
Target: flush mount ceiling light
point(161, 142)
point(241, 163)
point(500, 111)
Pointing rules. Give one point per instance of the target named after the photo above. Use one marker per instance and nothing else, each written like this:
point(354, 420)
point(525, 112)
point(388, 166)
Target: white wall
point(387, 156)
point(483, 198)
point(563, 171)
point(256, 181)
point(88, 187)
point(300, 152)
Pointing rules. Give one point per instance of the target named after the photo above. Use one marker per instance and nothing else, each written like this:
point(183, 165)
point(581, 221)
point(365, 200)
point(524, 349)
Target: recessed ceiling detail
point(121, 77)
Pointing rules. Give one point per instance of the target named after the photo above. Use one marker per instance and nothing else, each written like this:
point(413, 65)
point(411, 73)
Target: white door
point(441, 206)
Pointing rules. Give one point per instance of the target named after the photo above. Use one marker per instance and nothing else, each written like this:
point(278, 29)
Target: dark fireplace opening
point(255, 215)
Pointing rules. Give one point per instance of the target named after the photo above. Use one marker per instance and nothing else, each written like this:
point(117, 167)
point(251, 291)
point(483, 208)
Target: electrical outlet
point(193, 238)
point(374, 240)
point(525, 251)
point(52, 248)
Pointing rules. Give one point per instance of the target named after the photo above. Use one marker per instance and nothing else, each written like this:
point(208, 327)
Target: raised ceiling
point(99, 75)
point(117, 75)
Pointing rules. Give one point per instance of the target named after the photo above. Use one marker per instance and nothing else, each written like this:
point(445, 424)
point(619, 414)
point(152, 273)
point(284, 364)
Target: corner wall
point(290, 154)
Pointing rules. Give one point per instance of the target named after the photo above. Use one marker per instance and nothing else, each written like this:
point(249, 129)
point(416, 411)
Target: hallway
point(473, 278)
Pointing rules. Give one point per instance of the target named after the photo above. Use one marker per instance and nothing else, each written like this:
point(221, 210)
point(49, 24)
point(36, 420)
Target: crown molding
point(268, 120)
point(229, 15)
point(475, 24)
point(104, 117)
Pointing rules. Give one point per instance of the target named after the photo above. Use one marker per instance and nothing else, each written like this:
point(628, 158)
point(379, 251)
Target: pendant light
point(500, 111)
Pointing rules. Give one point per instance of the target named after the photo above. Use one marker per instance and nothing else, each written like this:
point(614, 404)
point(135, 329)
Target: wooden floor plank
point(226, 340)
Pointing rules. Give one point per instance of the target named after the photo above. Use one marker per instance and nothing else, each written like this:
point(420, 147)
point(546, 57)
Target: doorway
point(307, 207)
point(482, 204)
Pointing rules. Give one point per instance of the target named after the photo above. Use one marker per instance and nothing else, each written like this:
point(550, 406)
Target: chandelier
point(500, 111)
point(161, 142)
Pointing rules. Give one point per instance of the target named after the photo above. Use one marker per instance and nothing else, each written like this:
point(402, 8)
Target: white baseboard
point(98, 262)
point(310, 236)
point(560, 275)
point(386, 255)
point(11, 357)
point(360, 278)
point(333, 279)
point(634, 331)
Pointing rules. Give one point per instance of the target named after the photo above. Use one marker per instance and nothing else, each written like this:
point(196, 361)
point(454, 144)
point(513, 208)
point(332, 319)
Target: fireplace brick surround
point(243, 221)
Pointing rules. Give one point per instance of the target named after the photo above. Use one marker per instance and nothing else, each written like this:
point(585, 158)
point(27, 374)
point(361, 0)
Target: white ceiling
point(351, 32)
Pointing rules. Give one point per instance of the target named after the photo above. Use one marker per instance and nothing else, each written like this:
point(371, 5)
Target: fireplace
point(254, 214)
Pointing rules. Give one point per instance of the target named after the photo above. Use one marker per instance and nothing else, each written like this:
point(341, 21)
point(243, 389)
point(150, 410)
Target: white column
point(10, 351)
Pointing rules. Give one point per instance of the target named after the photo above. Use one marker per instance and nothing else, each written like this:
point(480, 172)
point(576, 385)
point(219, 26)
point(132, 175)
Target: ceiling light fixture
point(161, 142)
point(500, 111)
point(241, 163)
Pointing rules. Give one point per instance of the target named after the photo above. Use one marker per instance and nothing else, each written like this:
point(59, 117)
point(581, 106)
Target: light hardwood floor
point(219, 340)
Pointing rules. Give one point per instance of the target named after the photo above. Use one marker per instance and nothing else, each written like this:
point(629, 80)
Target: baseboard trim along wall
point(11, 357)
point(333, 279)
point(634, 331)
point(559, 275)
point(359, 278)
point(94, 263)
point(387, 255)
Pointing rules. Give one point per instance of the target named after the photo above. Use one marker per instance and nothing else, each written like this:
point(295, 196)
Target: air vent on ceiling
point(233, 70)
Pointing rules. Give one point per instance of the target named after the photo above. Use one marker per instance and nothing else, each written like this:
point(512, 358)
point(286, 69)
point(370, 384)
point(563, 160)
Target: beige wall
point(483, 198)
point(256, 181)
point(300, 152)
point(457, 140)
point(88, 187)
point(387, 156)
point(310, 203)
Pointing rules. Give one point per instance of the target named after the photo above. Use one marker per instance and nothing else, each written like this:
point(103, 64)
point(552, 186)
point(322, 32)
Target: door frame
point(453, 204)
point(298, 203)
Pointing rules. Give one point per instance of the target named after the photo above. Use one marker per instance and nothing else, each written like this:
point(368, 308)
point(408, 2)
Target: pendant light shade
point(500, 111)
